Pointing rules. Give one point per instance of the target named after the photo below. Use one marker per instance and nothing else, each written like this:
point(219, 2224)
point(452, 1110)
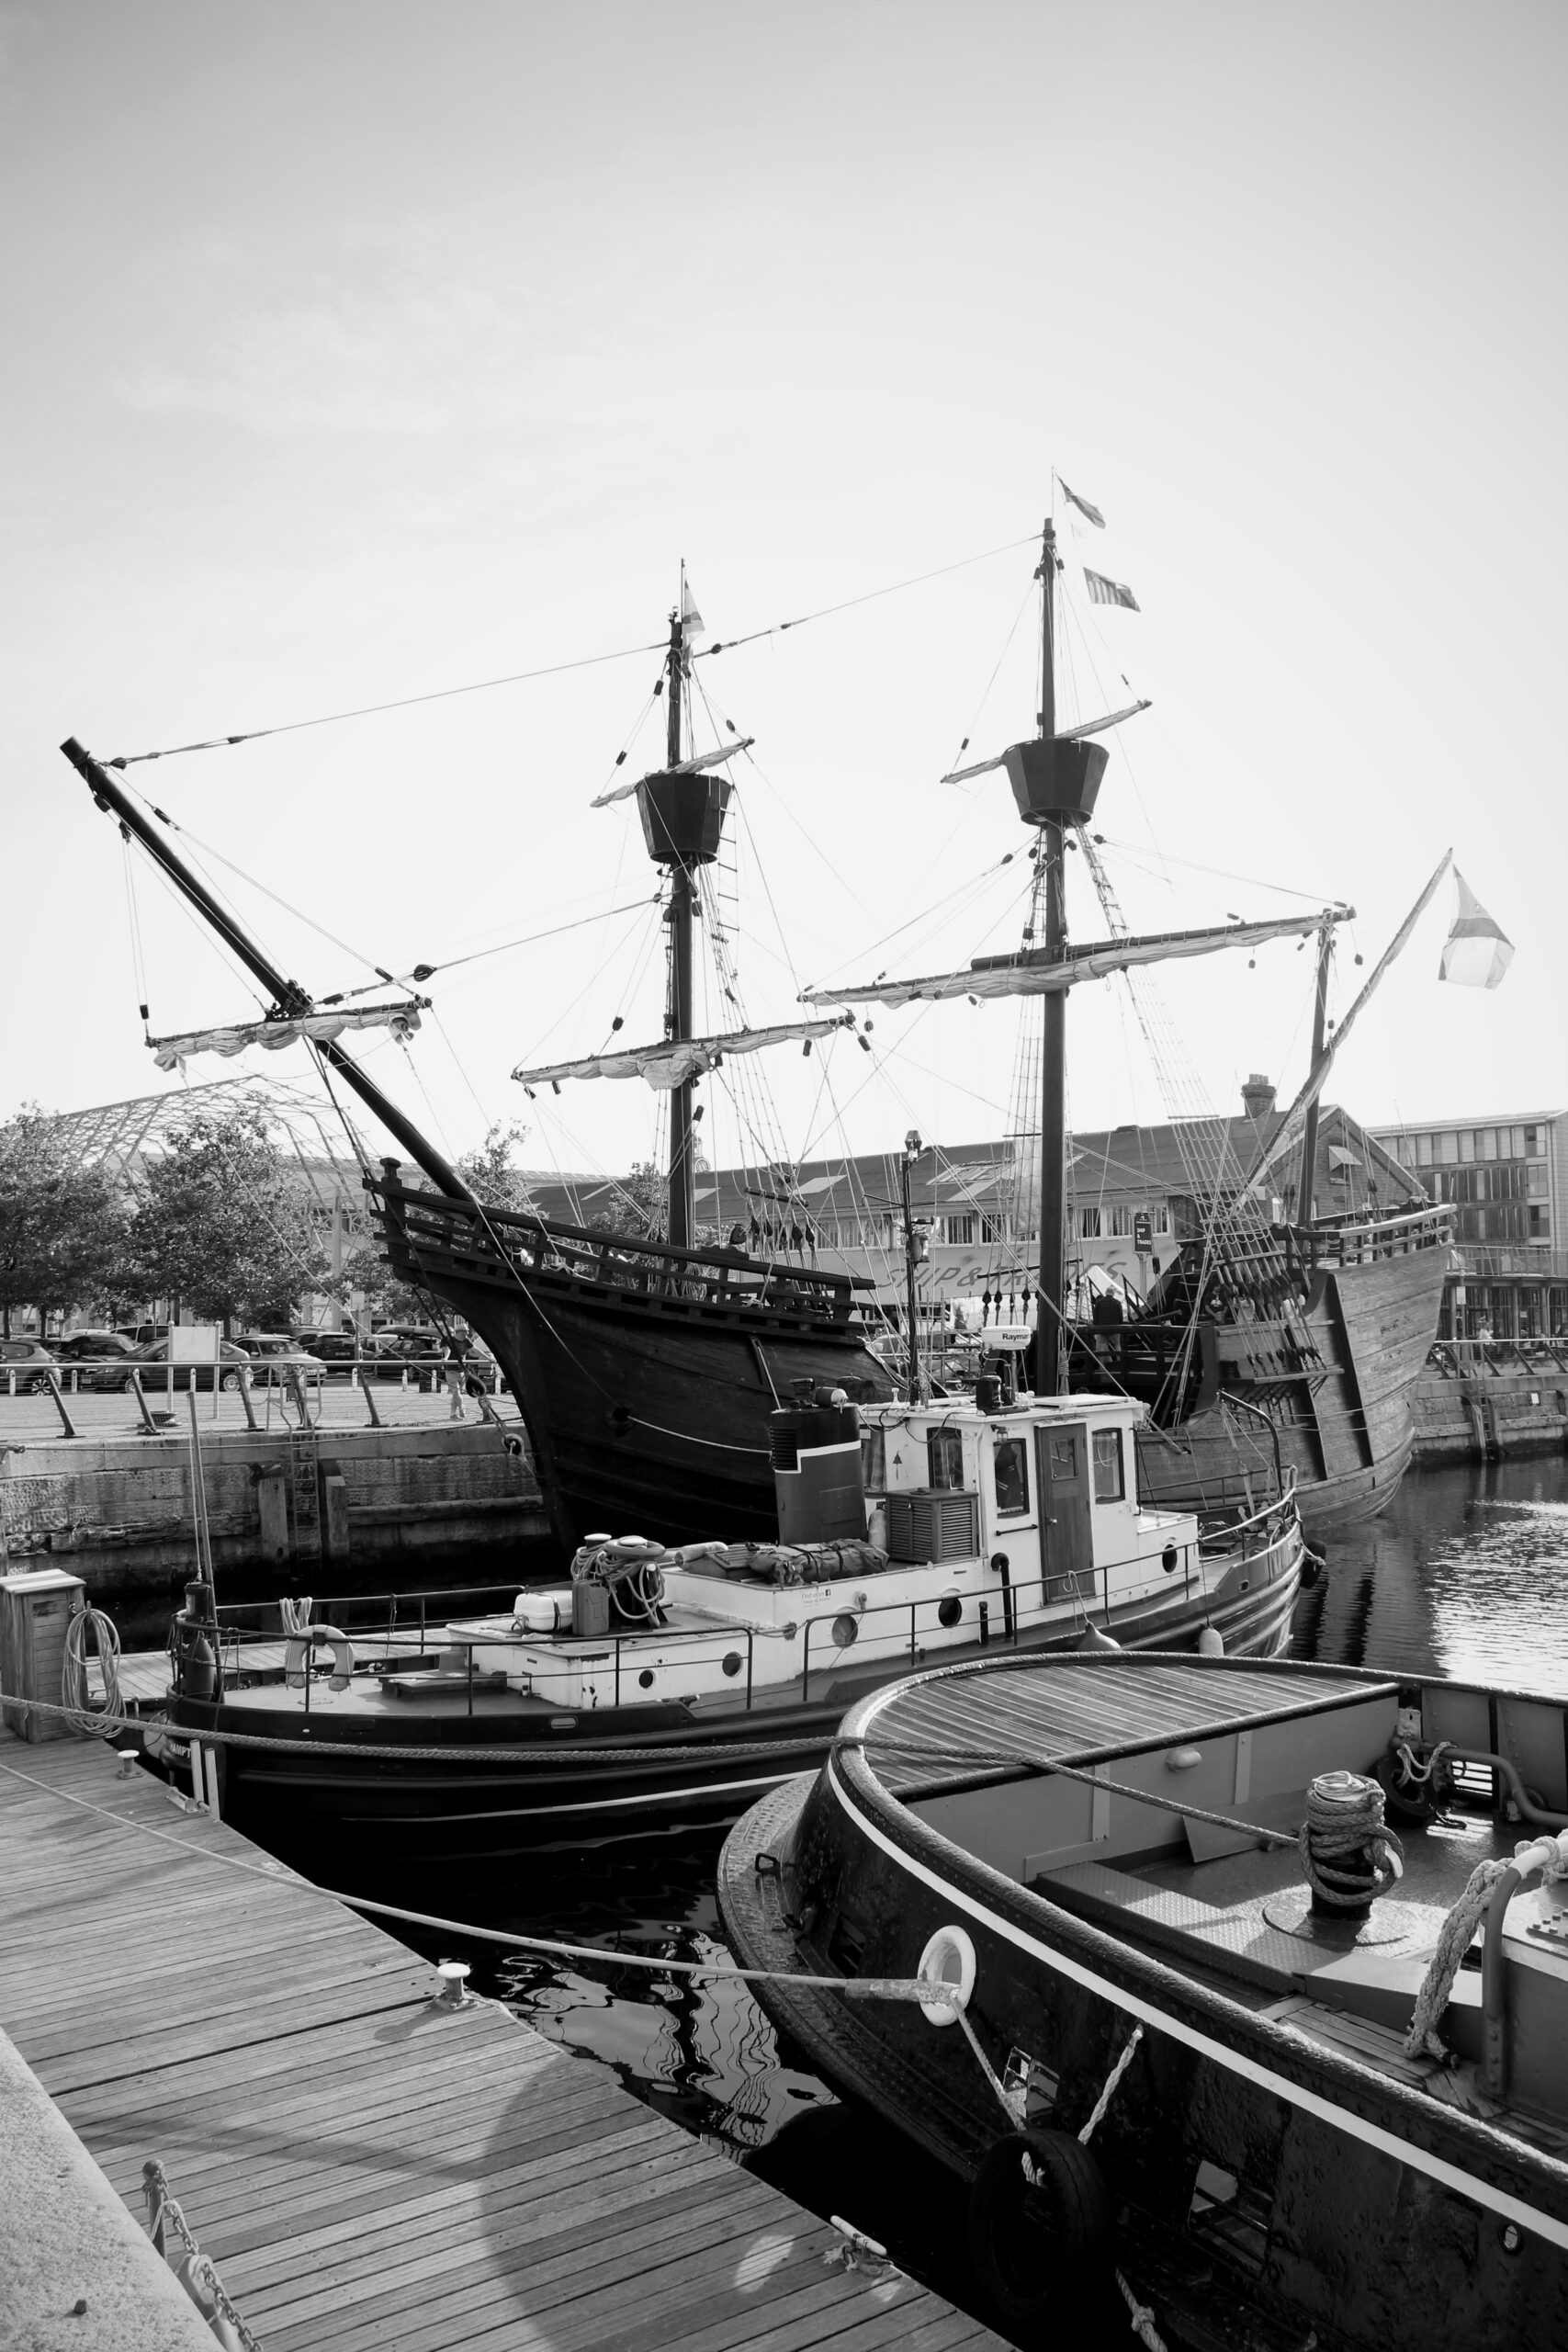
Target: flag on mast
point(1108, 592)
point(1476, 952)
point(1092, 513)
point(692, 622)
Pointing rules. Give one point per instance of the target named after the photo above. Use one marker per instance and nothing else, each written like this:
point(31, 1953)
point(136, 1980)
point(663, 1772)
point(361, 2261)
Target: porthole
point(845, 1630)
point(950, 1610)
point(733, 1663)
point(646, 1678)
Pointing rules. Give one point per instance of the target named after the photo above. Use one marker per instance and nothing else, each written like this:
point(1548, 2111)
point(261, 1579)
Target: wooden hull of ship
point(621, 1770)
point(1345, 1429)
point(1363, 2211)
point(647, 1413)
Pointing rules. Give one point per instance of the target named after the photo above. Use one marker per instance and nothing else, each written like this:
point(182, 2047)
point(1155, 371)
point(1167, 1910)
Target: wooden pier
point(366, 2167)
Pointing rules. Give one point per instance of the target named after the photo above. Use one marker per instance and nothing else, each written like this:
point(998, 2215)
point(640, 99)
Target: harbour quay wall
point(1504, 1402)
point(281, 1504)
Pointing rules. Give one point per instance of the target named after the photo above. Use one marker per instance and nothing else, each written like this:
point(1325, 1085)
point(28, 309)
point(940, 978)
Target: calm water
point(1467, 1575)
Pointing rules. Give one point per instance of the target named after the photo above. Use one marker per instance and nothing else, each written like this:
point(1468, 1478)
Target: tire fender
point(1039, 2223)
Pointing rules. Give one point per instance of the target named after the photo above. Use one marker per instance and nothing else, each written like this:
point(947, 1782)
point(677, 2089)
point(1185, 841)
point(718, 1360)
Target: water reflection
point(1466, 1575)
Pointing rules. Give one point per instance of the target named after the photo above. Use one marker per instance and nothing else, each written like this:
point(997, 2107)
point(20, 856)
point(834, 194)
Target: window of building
point(1540, 1223)
point(1122, 1220)
point(1467, 1145)
point(944, 1458)
point(1535, 1143)
point(991, 1228)
point(1486, 1142)
point(1110, 1485)
point(961, 1228)
point(1011, 1460)
point(1423, 1151)
point(1088, 1224)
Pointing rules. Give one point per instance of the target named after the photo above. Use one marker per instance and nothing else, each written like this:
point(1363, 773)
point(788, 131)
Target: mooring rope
point(1348, 1857)
point(877, 1988)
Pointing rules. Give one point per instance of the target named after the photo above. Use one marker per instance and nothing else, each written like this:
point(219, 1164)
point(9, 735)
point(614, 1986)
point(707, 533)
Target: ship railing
point(392, 1618)
point(1357, 1239)
point(419, 1225)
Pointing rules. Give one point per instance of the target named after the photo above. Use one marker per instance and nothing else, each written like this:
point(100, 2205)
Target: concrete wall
point(119, 1511)
point(1482, 1415)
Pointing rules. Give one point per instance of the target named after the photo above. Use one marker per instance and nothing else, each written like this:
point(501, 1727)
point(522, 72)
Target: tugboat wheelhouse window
point(1109, 1486)
point(944, 1457)
point(1012, 1461)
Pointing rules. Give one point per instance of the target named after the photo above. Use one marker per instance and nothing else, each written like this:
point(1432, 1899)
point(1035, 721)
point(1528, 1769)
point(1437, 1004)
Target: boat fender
point(302, 1645)
point(1093, 1639)
point(948, 1959)
point(1039, 2224)
point(1210, 1643)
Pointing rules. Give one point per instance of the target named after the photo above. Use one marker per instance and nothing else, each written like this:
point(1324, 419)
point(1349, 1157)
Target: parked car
point(92, 1347)
point(150, 1364)
point(31, 1362)
point(274, 1356)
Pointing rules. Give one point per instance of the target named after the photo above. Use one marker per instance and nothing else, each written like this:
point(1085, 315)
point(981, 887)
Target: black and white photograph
point(783, 1177)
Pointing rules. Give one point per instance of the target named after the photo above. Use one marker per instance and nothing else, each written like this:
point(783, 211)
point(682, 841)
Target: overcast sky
point(355, 351)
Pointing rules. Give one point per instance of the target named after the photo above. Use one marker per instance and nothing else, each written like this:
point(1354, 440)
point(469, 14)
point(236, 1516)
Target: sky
point(360, 352)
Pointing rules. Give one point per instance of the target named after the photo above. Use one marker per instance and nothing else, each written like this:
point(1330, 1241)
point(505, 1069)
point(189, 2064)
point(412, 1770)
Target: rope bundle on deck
point(1349, 1856)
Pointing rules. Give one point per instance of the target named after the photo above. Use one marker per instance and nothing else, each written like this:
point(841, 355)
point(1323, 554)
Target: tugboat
point(656, 1684)
point(1175, 1978)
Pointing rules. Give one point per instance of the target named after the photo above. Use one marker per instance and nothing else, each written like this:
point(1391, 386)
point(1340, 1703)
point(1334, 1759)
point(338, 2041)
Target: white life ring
point(301, 1645)
point(949, 1959)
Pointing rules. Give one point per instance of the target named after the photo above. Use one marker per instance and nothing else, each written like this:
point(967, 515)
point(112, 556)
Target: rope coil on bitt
point(1349, 1856)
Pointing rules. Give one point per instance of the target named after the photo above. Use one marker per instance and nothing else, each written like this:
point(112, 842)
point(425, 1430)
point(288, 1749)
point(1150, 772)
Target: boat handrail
point(629, 1245)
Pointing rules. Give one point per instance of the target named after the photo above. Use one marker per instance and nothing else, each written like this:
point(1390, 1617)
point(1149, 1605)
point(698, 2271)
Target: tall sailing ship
point(645, 1366)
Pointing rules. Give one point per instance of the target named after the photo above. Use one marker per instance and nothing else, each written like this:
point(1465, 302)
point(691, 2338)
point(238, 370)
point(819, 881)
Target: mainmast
point(678, 1017)
point(1054, 1049)
point(682, 820)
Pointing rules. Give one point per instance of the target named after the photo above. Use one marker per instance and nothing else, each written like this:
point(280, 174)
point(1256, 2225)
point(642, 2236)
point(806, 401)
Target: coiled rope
point(1349, 1856)
point(98, 1723)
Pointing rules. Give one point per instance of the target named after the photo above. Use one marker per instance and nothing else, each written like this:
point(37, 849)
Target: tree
point(641, 1204)
point(490, 1174)
point(216, 1227)
point(62, 1226)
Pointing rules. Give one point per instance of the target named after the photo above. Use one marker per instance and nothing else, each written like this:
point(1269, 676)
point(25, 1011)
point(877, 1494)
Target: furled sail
point(273, 1035)
point(1032, 973)
point(675, 1059)
point(683, 767)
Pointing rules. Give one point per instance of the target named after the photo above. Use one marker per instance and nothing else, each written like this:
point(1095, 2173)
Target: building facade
point(1507, 1179)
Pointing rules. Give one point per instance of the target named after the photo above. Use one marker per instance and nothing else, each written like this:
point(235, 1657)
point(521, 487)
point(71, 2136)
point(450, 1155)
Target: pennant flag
point(692, 622)
point(1108, 592)
point(1476, 954)
point(1093, 513)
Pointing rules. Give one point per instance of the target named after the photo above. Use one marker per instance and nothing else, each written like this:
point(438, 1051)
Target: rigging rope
point(552, 669)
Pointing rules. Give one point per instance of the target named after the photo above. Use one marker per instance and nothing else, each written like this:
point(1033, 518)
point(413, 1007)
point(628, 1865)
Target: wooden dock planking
point(367, 2168)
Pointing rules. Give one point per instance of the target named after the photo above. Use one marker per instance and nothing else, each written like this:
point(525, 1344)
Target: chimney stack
point(1258, 1097)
